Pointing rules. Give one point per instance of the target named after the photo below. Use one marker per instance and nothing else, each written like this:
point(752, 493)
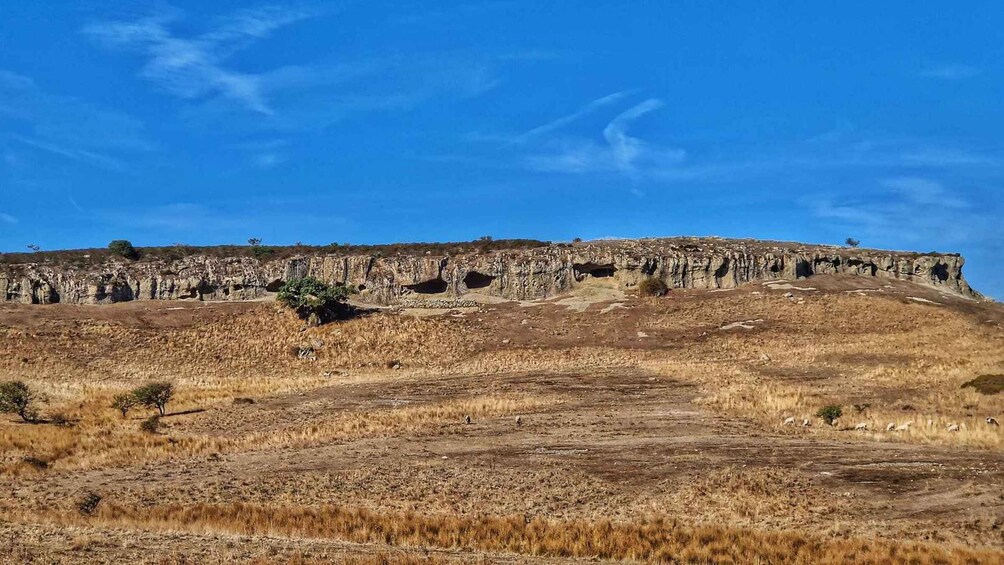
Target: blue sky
point(367, 122)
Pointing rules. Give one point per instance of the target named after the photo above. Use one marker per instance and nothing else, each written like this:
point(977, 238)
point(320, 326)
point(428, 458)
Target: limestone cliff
point(518, 274)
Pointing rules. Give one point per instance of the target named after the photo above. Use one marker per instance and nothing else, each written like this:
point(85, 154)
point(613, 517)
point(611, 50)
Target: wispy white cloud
point(74, 153)
point(196, 66)
point(621, 152)
point(951, 72)
point(64, 126)
point(6, 218)
point(923, 191)
point(314, 97)
point(627, 149)
point(905, 209)
point(568, 119)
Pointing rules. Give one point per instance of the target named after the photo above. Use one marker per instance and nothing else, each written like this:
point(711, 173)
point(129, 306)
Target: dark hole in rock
point(775, 268)
point(803, 269)
point(593, 270)
point(361, 287)
point(940, 272)
point(434, 286)
point(475, 279)
point(650, 268)
point(205, 288)
point(274, 286)
point(723, 270)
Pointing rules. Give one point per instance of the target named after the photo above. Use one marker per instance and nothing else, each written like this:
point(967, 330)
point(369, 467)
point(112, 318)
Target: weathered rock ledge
point(521, 274)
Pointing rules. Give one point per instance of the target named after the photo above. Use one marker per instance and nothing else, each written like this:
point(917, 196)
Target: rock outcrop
point(518, 274)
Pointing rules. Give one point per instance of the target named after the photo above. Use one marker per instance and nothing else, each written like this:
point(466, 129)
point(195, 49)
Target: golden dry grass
point(101, 438)
point(657, 539)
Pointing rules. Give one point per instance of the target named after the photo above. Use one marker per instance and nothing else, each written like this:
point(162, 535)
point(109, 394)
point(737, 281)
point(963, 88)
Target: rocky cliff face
point(523, 274)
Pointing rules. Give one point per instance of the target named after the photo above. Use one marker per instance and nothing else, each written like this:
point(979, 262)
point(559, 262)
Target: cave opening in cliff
point(940, 272)
point(205, 288)
point(583, 270)
point(434, 286)
point(723, 270)
point(274, 286)
point(361, 287)
point(475, 279)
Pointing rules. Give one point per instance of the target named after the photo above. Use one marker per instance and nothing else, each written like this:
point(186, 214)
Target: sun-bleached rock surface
point(523, 273)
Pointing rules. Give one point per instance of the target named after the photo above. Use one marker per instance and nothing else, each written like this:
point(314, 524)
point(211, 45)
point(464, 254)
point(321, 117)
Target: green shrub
point(830, 413)
point(154, 395)
point(261, 252)
point(123, 248)
point(124, 402)
point(653, 286)
point(17, 398)
point(151, 425)
point(851, 242)
point(314, 300)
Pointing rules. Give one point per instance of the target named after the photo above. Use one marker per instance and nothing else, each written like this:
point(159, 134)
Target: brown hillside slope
point(650, 429)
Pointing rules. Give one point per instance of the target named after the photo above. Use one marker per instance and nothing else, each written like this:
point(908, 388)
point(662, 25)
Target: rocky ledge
point(516, 274)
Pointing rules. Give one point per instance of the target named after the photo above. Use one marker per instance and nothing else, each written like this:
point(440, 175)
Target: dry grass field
point(650, 429)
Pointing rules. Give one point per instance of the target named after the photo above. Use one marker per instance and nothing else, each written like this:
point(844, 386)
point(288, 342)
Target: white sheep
point(806, 423)
point(890, 427)
point(992, 421)
point(953, 427)
point(789, 421)
point(903, 427)
point(861, 426)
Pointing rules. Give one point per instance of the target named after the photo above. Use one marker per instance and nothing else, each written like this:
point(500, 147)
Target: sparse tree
point(124, 402)
point(34, 248)
point(123, 248)
point(154, 395)
point(17, 398)
point(851, 242)
point(254, 241)
point(314, 300)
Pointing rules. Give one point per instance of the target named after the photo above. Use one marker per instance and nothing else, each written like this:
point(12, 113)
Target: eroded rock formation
point(521, 274)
